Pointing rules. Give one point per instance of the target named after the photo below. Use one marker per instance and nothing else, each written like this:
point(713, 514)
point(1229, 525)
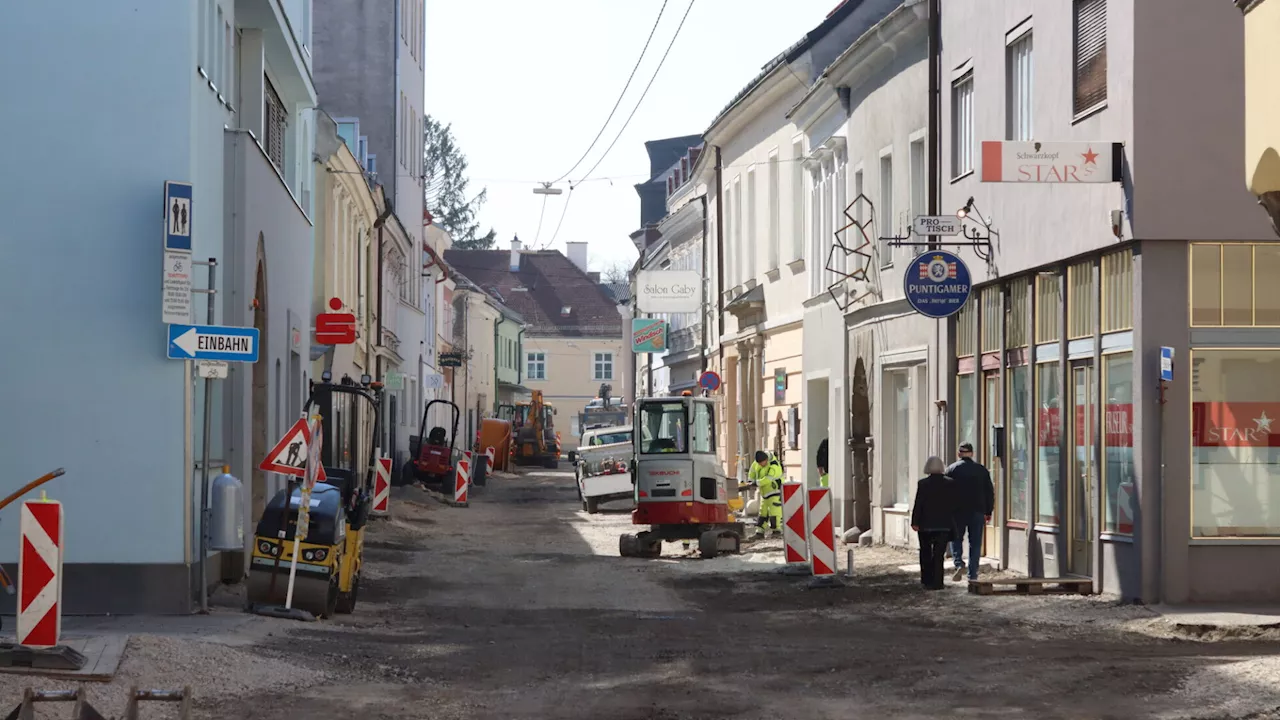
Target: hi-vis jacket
point(769, 479)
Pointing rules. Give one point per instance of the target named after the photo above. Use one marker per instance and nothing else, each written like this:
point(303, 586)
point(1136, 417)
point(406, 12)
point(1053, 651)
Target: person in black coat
point(933, 519)
point(975, 502)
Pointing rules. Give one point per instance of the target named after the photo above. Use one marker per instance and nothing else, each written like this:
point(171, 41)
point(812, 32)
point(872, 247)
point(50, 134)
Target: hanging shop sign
point(451, 359)
point(668, 291)
point(937, 284)
point(648, 335)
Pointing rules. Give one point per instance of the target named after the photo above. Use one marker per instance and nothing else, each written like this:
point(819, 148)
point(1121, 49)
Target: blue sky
point(527, 86)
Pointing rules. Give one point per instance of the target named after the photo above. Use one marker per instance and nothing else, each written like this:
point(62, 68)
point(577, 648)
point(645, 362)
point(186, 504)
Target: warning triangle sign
point(289, 456)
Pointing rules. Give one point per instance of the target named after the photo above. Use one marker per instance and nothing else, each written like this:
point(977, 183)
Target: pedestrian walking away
point(975, 501)
point(933, 519)
point(766, 475)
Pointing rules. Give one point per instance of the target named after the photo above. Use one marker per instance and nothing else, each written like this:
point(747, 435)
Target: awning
point(752, 299)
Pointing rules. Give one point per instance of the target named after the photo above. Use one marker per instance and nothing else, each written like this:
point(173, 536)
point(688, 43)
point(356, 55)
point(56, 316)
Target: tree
point(619, 272)
point(444, 171)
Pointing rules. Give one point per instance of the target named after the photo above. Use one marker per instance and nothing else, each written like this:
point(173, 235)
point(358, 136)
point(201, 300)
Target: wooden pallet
point(1032, 586)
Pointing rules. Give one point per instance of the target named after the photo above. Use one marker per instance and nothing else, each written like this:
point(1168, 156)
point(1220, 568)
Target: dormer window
point(566, 310)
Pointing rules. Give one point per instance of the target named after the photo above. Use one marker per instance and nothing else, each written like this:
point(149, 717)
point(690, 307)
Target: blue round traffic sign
point(937, 284)
point(709, 381)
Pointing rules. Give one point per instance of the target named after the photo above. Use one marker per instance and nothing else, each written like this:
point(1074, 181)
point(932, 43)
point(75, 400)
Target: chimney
point(515, 254)
point(577, 252)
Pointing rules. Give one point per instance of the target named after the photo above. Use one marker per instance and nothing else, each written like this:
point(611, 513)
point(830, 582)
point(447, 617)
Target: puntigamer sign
point(668, 291)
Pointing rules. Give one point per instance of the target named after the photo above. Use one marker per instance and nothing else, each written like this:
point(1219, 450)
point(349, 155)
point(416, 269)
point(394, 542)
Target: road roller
point(330, 555)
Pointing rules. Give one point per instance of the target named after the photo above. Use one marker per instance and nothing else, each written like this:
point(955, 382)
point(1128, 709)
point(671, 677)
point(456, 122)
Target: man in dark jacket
point(975, 501)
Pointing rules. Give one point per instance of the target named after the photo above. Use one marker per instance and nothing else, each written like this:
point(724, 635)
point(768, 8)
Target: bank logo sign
point(937, 284)
point(648, 335)
point(668, 291)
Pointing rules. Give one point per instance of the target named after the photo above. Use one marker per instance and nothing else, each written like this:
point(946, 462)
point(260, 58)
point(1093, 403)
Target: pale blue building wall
point(96, 131)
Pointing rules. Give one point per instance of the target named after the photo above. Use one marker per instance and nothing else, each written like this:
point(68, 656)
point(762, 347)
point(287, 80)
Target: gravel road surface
point(519, 607)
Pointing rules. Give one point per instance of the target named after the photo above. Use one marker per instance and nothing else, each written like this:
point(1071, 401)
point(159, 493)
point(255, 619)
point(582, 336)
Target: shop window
point(1230, 285)
point(1048, 308)
point(1235, 472)
point(966, 411)
point(901, 465)
point(1119, 470)
point(1018, 441)
point(1080, 300)
point(967, 330)
point(1117, 291)
point(1048, 432)
point(1019, 304)
point(991, 318)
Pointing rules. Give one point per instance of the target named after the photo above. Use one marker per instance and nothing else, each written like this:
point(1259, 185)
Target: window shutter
point(1090, 54)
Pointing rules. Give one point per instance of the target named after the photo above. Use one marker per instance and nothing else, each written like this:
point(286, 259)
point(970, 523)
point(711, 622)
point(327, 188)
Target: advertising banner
point(648, 335)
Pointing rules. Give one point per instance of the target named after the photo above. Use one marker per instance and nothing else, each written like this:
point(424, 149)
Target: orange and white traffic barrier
point(462, 482)
point(492, 455)
point(822, 540)
point(382, 487)
point(470, 464)
point(40, 574)
point(794, 533)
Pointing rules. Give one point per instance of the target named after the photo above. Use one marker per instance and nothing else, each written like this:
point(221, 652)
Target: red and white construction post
point(462, 482)
point(382, 485)
point(40, 573)
point(794, 532)
point(822, 541)
point(492, 455)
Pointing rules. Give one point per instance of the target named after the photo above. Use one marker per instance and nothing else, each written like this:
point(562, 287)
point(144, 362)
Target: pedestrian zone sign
point(289, 456)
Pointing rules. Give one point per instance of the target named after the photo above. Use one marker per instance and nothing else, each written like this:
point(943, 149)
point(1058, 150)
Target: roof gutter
point(436, 262)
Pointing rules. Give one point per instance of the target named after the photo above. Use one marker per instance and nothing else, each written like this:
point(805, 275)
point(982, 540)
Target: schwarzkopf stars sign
point(1051, 162)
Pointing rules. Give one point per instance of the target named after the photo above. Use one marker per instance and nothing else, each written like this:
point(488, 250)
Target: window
point(1048, 432)
point(219, 61)
point(276, 126)
point(797, 200)
point(967, 330)
point(537, 369)
point(966, 411)
point(752, 210)
point(775, 212)
point(731, 250)
point(1048, 308)
point(602, 366)
point(886, 229)
point(1018, 73)
point(992, 304)
point(857, 210)
point(228, 52)
point(738, 238)
point(1019, 441)
point(919, 177)
point(1120, 471)
point(202, 58)
point(1117, 291)
point(1019, 305)
point(903, 464)
point(703, 429)
point(662, 427)
point(1080, 300)
point(1235, 474)
point(1090, 79)
point(962, 125)
point(1229, 285)
point(840, 192)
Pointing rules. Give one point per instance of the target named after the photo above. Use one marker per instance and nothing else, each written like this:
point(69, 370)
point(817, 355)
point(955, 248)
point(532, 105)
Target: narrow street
point(519, 607)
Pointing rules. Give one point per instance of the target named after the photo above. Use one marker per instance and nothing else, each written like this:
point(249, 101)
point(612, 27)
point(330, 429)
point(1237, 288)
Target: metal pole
point(205, 452)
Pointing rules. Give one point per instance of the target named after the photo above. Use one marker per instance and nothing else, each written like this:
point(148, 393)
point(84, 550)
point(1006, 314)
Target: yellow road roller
point(327, 580)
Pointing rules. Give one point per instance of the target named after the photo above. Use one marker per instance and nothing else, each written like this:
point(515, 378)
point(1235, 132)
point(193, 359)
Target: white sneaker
point(958, 574)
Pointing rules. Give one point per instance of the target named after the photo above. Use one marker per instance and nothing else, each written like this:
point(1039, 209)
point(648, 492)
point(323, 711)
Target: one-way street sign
point(213, 342)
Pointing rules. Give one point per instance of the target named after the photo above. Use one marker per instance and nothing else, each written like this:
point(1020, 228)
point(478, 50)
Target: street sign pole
point(212, 264)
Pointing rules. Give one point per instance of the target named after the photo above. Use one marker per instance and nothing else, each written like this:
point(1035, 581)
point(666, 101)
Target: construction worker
point(824, 478)
point(766, 475)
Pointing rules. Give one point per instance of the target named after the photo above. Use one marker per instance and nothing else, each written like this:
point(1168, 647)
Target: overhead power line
point(622, 94)
point(563, 210)
point(541, 213)
point(642, 95)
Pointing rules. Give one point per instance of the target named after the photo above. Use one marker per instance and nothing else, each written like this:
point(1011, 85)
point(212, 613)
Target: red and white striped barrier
point(462, 482)
point(492, 455)
point(794, 532)
point(382, 487)
point(469, 465)
point(40, 574)
point(822, 540)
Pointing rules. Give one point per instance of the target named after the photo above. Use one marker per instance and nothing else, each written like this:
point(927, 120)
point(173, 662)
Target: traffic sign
point(177, 216)
point(1166, 364)
point(709, 380)
point(314, 471)
point(936, 225)
point(213, 342)
point(175, 293)
point(213, 369)
point(291, 454)
point(432, 381)
point(335, 328)
point(937, 284)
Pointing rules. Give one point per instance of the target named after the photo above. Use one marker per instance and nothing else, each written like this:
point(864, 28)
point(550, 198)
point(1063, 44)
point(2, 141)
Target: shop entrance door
point(1081, 472)
point(992, 415)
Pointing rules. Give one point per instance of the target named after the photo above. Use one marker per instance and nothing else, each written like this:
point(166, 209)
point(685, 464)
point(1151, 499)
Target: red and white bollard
point(382, 487)
point(40, 574)
point(468, 458)
point(462, 482)
point(794, 533)
point(493, 456)
point(822, 541)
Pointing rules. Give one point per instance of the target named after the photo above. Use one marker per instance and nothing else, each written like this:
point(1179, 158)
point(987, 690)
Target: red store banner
point(1117, 428)
point(1235, 424)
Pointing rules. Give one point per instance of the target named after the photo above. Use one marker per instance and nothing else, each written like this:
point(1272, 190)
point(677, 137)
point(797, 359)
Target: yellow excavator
point(536, 441)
